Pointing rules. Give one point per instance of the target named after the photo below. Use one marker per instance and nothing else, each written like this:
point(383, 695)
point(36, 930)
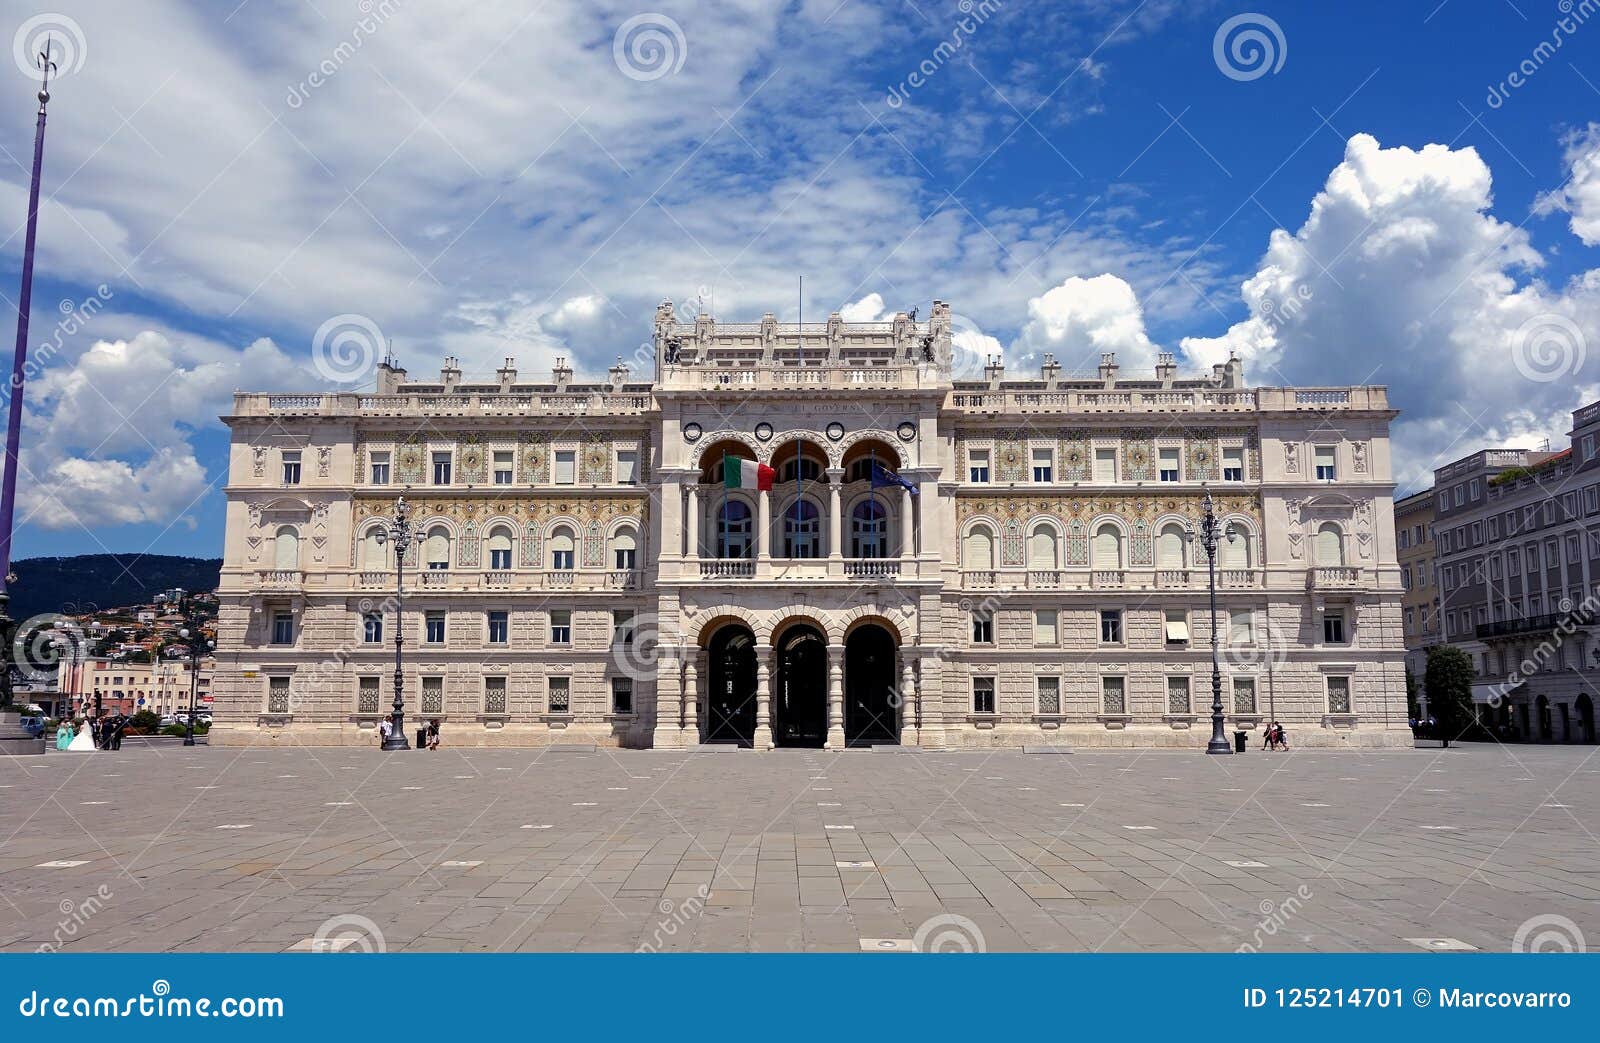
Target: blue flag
point(882, 476)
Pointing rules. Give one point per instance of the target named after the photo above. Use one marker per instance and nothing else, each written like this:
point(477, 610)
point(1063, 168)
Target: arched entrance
point(1585, 718)
point(800, 694)
point(870, 689)
point(731, 690)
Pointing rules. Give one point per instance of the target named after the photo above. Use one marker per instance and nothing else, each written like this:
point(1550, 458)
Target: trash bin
point(1238, 742)
point(422, 738)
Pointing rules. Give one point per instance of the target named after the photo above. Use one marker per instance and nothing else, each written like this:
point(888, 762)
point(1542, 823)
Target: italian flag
point(746, 474)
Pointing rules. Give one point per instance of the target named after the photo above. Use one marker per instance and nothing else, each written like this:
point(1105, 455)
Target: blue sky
point(1072, 177)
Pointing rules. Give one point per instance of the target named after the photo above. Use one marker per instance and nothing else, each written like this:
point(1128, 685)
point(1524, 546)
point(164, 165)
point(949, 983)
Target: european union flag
point(882, 476)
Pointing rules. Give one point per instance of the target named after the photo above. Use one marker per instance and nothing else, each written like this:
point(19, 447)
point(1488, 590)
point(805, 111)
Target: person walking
point(64, 734)
point(119, 724)
point(385, 729)
point(433, 734)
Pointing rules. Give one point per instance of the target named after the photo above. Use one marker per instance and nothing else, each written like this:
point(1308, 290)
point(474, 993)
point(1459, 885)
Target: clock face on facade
point(764, 431)
point(835, 431)
point(691, 432)
point(907, 430)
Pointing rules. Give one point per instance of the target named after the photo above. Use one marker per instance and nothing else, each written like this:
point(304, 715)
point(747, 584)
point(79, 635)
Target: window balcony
point(1109, 579)
point(871, 568)
point(279, 580)
point(1173, 578)
point(1333, 577)
point(727, 568)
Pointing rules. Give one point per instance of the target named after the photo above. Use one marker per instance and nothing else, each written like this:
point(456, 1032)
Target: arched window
point(810, 470)
point(801, 530)
point(1107, 553)
point(625, 550)
point(733, 530)
point(1169, 546)
point(1237, 554)
point(860, 470)
point(373, 555)
point(869, 530)
point(436, 548)
point(979, 550)
point(286, 548)
point(500, 548)
point(563, 550)
point(1042, 548)
point(1330, 545)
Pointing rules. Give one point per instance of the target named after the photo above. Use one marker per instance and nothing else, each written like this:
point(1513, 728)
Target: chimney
point(450, 374)
point(507, 374)
point(1233, 372)
point(390, 376)
point(1166, 368)
point(1051, 370)
point(619, 374)
point(1108, 368)
point(995, 370)
point(1216, 374)
point(562, 374)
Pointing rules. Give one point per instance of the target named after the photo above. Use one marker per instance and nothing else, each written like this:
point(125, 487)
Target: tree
point(1448, 684)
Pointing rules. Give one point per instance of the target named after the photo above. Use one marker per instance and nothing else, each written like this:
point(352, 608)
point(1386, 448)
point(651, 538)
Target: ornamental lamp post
point(397, 530)
point(1208, 536)
point(193, 634)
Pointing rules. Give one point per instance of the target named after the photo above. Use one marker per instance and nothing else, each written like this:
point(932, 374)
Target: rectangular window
point(499, 627)
point(441, 468)
point(1458, 495)
point(983, 695)
point(978, 466)
point(1244, 695)
point(1551, 554)
point(494, 695)
point(1045, 630)
point(566, 466)
point(277, 695)
point(1472, 489)
point(1591, 499)
point(1477, 534)
point(622, 695)
point(1333, 627)
point(627, 559)
point(1494, 528)
point(1241, 626)
point(1105, 466)
point(503, 467)
point(622, 626)
point(291, 467)
point(560, 695)
point(372, 627)
point(379, 465)
point(1111, 626)
point(283, 628)
point(627, 469)
point(982, 627)
point(432, 695)
point(1233, 465)
point(1113, 698)
point(1175, 626)
point(1177, 695)
point(1513, 562)
point(1169, 465)
point(1588, 447)
point(1326, 469)
point(1338, 695)
point(1043, 466)
point(1572, 549)
point(433, 627)
point(368, 694)
point(561, 627)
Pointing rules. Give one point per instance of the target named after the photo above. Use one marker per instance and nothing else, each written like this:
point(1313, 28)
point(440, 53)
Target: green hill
point(92, 582)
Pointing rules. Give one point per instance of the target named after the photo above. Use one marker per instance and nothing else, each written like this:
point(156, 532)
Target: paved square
point(502, 850)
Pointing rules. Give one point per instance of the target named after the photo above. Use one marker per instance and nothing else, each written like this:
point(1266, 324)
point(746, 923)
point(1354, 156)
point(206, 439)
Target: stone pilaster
point(835, 697)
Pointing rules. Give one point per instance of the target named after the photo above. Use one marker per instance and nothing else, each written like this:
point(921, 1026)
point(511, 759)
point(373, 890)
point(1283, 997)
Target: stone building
point(1519, 566)
point(1419, 605)
point(937, 562)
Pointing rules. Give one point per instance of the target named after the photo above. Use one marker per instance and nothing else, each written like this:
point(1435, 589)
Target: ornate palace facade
point(937, 562)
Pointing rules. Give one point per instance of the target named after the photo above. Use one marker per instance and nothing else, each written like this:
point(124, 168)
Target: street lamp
point(194, 637)
point(397, 530)
point(1208, 536)
point(66, 641)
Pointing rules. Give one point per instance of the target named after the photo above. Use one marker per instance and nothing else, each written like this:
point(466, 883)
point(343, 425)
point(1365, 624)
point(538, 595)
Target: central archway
point(731, 694)
point(800, 697)
point(870, 702)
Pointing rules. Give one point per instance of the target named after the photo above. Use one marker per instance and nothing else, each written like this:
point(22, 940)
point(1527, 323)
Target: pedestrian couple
point(1275, 738)
point(429, 736)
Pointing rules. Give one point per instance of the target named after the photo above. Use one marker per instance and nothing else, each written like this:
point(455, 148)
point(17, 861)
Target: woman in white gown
point(83, 742)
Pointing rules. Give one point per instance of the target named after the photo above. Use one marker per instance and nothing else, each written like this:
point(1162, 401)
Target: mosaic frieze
point(470, 466)
point(1201, 444)
point(596, 462)
point(1075, 453)
point(1131, 508)
point(1138, 454)
point(409, 461)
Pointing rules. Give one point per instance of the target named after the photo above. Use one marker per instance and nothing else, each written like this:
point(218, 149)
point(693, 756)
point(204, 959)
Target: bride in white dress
point(83, 742)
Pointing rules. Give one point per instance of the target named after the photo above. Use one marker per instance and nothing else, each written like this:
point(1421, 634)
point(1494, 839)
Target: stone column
point(690, 695)
point(835, 520)
point(763, 529)
point(908, 531)
point(908, 701)
point(692, 551)
point(669, 702)
point(763, 739)
point(835, 697)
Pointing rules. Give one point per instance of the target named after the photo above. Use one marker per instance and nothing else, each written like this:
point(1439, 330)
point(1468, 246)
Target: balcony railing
point(871, 568)
point(1333, 577)
point(279, 579)
point(1549, 623)
point(727, 568)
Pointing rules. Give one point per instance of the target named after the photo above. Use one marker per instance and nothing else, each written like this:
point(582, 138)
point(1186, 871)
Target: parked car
point(34, 725)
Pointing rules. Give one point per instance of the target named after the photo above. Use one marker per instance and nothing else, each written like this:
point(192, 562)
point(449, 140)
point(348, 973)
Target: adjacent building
point(811, 536)
point(116, 685)
point(1419, 604)
point(1518, 554)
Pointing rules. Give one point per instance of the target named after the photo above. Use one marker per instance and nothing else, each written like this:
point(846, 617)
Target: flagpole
point(800, 358)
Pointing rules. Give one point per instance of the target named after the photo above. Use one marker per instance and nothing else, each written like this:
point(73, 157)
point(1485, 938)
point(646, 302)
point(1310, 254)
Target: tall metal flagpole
point(800, 359)
point(19, 361)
